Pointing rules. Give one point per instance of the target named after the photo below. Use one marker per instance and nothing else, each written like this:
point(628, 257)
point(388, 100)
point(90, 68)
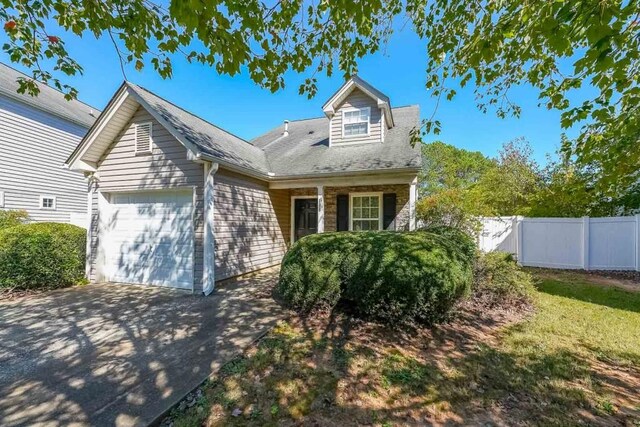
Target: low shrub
point(42, 256)
point(499, 280)
point(12, 218)
point(388, 276)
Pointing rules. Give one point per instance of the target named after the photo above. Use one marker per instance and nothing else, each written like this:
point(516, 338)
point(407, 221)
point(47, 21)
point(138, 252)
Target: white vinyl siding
point(247, 233)
point(33, 148)
point(166, 167)
point(365, 212)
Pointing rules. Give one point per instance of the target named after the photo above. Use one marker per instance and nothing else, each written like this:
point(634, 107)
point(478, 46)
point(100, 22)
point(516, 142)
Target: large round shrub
point(389, 276)
point(42, 256)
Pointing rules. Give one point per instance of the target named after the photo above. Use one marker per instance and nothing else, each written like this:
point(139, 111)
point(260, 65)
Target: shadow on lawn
point(339, 371)
point(596, 294)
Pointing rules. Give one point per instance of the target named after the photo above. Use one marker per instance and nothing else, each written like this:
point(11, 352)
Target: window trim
point(365, 194)
point(1, 199)
point(55, 202)
point(135, 140)
point(368, 122)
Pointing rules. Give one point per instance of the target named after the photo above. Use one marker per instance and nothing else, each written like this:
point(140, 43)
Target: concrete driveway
point(120, 354)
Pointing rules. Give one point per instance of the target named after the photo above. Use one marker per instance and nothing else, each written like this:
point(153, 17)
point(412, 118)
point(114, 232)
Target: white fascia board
point(346, 181)
point(118, 99)
point(329, 107)
point(177, 135)
point(245, 171)
point(82, 166)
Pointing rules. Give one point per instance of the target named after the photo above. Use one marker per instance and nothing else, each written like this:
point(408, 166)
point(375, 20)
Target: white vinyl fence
point(573, 243)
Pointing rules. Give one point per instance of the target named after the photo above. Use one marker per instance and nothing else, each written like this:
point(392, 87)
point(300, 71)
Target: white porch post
point(208, 269)
point(320, 209)
point(412, 203)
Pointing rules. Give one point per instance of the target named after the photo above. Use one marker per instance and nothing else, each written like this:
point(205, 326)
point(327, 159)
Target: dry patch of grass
point(576, 360)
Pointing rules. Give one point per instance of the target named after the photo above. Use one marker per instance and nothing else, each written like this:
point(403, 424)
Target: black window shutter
point(388, 211)
point(343, 212)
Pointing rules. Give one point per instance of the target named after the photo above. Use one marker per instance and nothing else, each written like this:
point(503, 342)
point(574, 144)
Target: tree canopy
point(555, 47)
point(447, 167)
point(458, 185)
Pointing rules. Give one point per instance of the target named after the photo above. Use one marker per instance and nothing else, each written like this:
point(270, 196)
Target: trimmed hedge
point(388, 276)
point(42, 256)
point(12, 218)
point(499, 281)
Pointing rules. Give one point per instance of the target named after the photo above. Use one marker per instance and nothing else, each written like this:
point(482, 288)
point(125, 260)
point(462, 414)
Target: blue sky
point(239, 106)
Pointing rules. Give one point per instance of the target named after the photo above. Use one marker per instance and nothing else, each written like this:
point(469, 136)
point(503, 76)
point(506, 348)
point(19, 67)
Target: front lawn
point(575, 360)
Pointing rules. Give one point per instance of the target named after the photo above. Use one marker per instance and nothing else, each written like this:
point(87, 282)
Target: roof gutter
point(360, 172)
point(240, 169)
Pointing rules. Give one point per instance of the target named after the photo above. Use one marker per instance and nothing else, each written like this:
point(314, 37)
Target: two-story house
point(177, 201)
point(37, 134)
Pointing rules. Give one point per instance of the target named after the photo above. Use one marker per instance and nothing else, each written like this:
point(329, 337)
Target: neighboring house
point(179, 202)
point(37, 134)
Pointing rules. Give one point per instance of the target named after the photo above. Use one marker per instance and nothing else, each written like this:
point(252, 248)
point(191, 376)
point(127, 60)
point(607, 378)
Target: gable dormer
point(358, 114)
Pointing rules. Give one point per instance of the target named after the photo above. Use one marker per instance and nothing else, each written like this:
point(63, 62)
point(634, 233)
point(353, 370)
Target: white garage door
point(148, 238)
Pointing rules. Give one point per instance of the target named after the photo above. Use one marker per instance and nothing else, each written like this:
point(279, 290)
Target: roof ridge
point(191, 113)
point(50, 87)
point(405, 106)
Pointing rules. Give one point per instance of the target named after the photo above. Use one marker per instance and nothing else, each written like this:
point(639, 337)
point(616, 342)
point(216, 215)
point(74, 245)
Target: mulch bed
point(633, 276)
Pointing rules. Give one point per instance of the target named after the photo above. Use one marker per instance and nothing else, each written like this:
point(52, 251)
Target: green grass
point(574, 361)
point(584, 319)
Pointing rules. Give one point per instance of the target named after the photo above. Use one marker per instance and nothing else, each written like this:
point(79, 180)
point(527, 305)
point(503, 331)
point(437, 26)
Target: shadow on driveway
point(121, 354)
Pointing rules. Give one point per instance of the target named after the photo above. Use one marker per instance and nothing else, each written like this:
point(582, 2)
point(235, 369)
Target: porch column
point(208, 269)
point(320, 209)
point(413, 192)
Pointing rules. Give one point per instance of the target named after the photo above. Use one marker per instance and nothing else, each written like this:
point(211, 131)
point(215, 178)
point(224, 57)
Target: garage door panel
point(150, 239)
point(143, 238)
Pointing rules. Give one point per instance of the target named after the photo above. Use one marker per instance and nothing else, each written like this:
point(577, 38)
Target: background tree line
point(457, 185)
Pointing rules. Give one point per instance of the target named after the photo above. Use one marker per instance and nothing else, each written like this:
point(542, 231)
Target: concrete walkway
point(120, 355)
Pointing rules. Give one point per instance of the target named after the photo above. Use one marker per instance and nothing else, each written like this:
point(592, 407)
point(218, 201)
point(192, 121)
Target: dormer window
point(355, 122)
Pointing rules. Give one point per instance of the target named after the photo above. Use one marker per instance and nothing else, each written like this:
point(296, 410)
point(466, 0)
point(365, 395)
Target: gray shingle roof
point(207, 137)
point(49, 99)
point(306, 151)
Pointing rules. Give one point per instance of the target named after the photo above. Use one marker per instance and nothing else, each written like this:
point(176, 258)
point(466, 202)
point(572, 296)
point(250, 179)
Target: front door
point(306, 217)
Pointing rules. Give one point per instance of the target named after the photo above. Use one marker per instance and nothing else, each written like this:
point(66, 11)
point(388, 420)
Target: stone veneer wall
point(402, 202)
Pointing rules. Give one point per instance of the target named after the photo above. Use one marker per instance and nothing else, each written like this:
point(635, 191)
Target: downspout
point(208, 270)
point(91, 182)
point(413, 194)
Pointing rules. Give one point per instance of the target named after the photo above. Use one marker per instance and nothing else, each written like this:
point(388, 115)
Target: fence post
point(637, 242)
point(518, 224)
point(585, 242)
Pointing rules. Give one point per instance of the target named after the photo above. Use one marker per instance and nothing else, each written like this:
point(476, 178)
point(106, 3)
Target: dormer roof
point(354, 82)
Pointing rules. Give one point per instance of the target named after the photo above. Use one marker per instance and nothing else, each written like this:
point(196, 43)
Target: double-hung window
point(355, 122)
point(366, 212)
